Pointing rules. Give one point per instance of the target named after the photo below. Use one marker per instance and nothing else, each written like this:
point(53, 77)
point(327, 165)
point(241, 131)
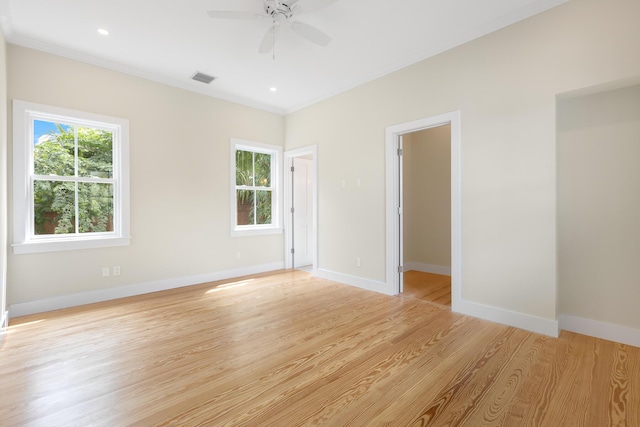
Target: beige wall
point(3, 177)
point(427, 196)
point(504, 85)
point(179, 179)
point(599, 206)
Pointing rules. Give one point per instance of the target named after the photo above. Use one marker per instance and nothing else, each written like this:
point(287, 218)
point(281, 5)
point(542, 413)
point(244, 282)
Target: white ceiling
point(169, 40)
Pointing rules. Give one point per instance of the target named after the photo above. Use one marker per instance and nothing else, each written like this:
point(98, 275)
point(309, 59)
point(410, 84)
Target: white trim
point(69, 245)
point(358, 282)
point(4, 324)
point(276, 188)
point(392, 201)
point(23, 239)
point(311, 150)
point(510, 318)
point(603, 330)
point(90, 297)
point(427, 268)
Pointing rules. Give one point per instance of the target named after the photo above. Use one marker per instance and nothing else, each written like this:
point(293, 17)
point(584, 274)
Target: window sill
point(244, 232)
point(33, 247)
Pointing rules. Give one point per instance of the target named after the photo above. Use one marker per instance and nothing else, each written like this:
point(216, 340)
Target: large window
point(70, 179)
point(255, 183)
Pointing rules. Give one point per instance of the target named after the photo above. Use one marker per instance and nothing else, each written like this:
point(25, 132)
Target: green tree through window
point(73, 186)
point(253, 188)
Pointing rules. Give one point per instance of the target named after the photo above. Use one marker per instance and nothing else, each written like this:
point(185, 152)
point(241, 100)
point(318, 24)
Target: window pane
point(95, 153)
point(263, 209)
point(263, 170)
point(53, 151)
point(244, 168)
point(54, 211)
point(95, 207)
point(244, 204)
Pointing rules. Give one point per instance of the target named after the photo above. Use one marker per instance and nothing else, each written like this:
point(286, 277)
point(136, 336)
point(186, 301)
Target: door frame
point(312, 151)
point(393, 200)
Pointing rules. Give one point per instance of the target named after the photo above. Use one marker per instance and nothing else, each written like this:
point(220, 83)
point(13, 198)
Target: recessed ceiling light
point(103, 31)
point(273, 89)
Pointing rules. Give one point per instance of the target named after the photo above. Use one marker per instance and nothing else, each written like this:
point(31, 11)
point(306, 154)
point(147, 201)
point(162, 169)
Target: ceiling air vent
point(202, 77)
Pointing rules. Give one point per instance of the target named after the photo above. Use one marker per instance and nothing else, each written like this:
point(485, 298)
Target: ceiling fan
point(280, 11)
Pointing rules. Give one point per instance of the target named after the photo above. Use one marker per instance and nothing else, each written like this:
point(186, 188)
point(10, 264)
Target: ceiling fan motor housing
point(277, 10)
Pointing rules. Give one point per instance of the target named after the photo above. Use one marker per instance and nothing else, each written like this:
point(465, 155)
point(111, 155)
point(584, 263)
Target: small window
point(70, 179)
point(255, 192)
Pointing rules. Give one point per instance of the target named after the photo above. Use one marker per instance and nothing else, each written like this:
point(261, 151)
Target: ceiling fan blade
point(311, 33)
point(310, 5)
point(224, 14)
point(268, 41)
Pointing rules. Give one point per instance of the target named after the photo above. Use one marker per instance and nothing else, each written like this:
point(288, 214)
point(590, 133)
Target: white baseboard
point(595, 328)
point(4, 324)
point(359, 282)
point(506, 317)
point(90, 297)
point(427, 268)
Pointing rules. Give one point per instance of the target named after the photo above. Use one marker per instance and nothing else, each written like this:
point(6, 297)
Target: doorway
point(426, 214)
point(395, 187)
point(300, 200)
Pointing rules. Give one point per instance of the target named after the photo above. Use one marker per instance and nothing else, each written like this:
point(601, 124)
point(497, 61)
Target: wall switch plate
point(105, 271)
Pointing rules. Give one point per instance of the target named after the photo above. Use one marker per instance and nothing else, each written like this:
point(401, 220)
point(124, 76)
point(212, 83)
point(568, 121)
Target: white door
point(302, 212)
point(401, 216)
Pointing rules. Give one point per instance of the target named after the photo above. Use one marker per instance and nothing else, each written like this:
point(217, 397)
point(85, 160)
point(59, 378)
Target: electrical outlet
point(358, 263)
point(105, 271)
point(238, 255)
point(116, 270)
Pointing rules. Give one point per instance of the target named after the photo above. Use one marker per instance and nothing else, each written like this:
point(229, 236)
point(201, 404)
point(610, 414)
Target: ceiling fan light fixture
point(282, 12)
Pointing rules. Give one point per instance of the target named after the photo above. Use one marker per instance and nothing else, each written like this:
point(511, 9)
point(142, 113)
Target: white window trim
point(23, 239)
point(276, 195)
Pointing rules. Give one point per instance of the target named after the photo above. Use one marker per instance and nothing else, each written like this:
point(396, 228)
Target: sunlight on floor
point(229, 286)
point(12, 328)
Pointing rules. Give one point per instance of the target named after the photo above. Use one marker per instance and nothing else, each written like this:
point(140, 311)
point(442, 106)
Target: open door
point(301, 208)
point(302, 194)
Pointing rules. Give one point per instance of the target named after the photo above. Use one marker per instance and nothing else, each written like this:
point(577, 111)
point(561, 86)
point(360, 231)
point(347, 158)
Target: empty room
point(319, 212)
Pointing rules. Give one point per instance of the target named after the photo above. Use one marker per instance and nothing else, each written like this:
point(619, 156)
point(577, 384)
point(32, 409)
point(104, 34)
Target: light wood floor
point(286, 349)
point(434, 288)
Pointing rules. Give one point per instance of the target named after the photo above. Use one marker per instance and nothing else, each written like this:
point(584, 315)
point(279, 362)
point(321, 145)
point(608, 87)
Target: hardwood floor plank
point(531, 400)
point(286, 348)
point(352, 387)
point(430, 287)
point(631, 399)
point(574, 396)
point(274, 386)
point(418, 379)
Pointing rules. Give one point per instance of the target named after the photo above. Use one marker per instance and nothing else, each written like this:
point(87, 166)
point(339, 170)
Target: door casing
point(394, 199)
point(310, 151)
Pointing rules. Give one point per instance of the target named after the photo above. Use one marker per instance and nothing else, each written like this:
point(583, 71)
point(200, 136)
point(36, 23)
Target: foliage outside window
point(255, 190)
point(73, 180)
point(71, 170)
